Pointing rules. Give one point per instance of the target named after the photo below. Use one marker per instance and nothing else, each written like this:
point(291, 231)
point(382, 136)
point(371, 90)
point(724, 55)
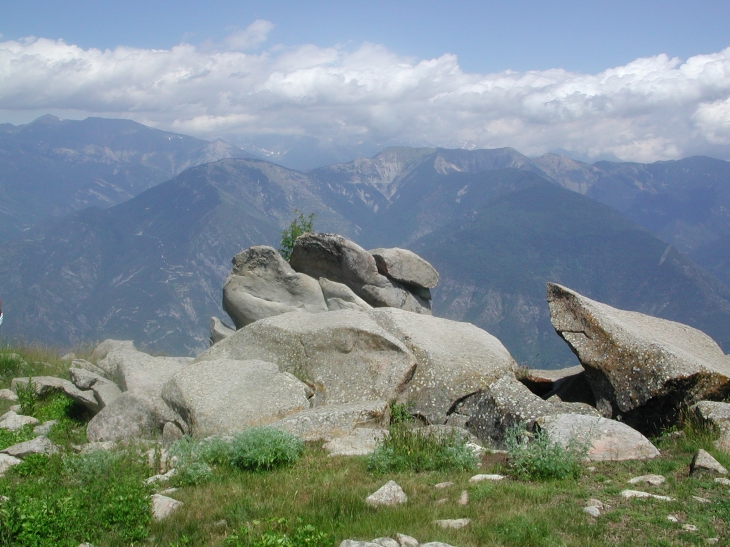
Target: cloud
point(650, 109)
point(254, 34)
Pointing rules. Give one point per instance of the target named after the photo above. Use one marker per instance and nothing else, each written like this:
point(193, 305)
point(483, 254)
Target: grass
point(315, 500)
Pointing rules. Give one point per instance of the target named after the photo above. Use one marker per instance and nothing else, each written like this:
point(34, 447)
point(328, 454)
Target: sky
point(640, 81)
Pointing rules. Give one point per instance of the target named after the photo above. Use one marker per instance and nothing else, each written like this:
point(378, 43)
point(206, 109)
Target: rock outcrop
point(124, 418)
point(406, 267)
point(455, 360)
point(224, 396)
point(640, 368)
point(262, 284)
point(338, 259)
point(345, 356)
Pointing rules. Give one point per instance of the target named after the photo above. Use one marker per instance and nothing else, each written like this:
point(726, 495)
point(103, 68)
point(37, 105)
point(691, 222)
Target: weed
point(27, 397)
point(400, 414)
point(10, 365)
point(536, 457)
point(408, 448)
point(300, 225)
point(263, 448)
point(277, 532)
point(9, 438)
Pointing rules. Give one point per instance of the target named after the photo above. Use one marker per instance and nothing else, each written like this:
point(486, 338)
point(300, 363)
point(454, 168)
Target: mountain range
point(497, 225)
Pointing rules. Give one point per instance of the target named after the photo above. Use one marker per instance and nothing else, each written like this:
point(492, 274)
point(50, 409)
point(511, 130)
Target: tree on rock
point(300, 225)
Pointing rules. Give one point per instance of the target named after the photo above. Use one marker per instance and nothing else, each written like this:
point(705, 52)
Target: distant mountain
point(151, 269)
point(52, 167)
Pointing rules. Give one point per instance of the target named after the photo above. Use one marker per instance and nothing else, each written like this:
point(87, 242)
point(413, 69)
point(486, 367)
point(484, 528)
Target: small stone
point(592, 511)
point(703, 462)
point(218, 524)
point(701, 500)
point(389, 494)
point(479, 478)
point(162, 506)
point(672, 518)
point(406, 541)
point(12, 421)
point(598, 504)
point(8, 395)
point(69, 357)
point(712, 541)
point(6, 462)
point(654, 480)
point(44, 428)
point(443, 485)
point(591, 468)
point(628, 494)
point(168, 491)
point(441, 501)
point(689, 528)
point(464, 498)
point(722, 480)
point(452, 523)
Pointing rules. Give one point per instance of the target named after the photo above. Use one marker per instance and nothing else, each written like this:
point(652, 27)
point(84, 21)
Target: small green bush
point(278, 532)
point(536, 457)
point(407, 448)
point(11, 365)
point(9, 438)
point(27, 397)
point(300, 225)
point(263, 448)
point(399, 414)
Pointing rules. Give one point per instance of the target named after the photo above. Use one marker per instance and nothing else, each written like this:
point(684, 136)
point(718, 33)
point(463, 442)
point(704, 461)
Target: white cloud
point(254, 34)
point(650, 109)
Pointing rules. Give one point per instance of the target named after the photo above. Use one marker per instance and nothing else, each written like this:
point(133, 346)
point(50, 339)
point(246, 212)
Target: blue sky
point(638, 80)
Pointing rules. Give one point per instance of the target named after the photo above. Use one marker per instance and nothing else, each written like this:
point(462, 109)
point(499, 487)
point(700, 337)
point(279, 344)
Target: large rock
point(344, 355)
point(641, 368)
point(39, 445)
point(328, 422)
point(143, 376)
point(125, 418)
point(107, 346)
point(12, 421)
point(48, 384)
point(455, 360)
point(507, 403)
point(338, 259)
point(406, 267)
point(606, 440)
point(262, 284)
point(225, 396)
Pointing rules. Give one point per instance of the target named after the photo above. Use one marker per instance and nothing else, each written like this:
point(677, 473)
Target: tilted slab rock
point(406, 267)
point(639, 367)
point(507, 403)
point(455, 360)
point(328, 422)
point(105, 391)
point(341, 297)
point(263, 284)
point(219, 330)
point(164, 506)
point(344, 355)
point(607, 440)
point(143, 376)
point(48, 384)
point(91, 367)
point(6, 462)
point(39, 445)
point(389, 494)
point(704, 463)
point(124, 418)
point(338, 259)
point(226, 396)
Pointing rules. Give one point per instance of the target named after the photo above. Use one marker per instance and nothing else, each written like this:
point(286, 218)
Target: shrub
point(399, 414)
point(406, 448)
point(300, 225)
point(9, 438)
point(27, 397)
point(11, 365)
point(262, 448)
point(535, 457)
